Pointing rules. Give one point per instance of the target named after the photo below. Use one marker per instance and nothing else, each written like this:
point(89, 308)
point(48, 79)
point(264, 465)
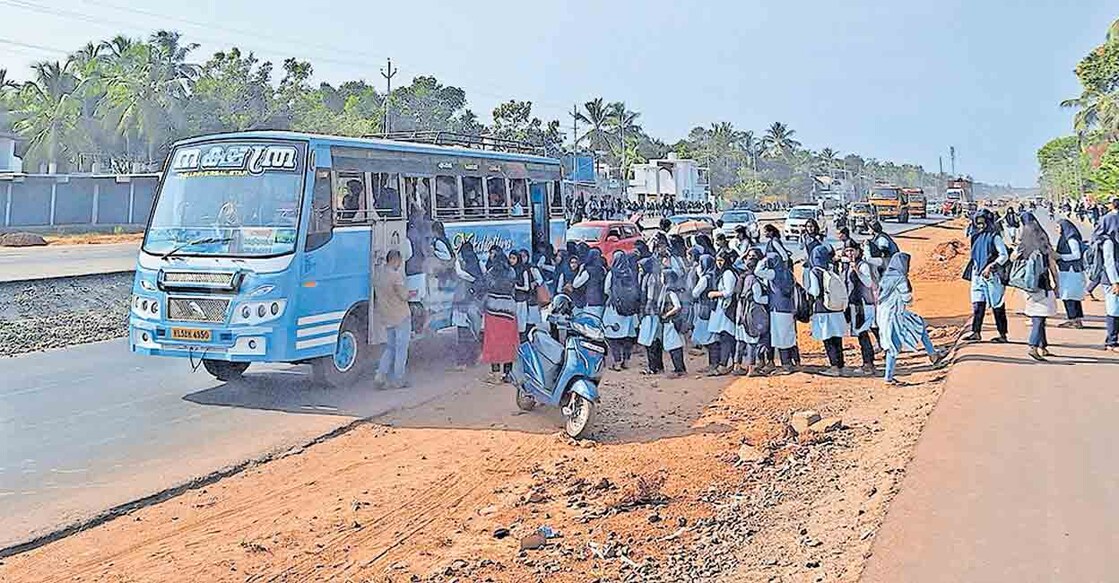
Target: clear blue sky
point(888, 79)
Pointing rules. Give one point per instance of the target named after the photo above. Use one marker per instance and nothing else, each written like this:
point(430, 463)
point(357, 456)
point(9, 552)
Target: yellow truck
point(918, 202)
point(890, 201)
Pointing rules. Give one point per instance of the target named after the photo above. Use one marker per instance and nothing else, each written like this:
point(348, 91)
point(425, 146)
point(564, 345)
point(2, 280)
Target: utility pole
point(388, 74)
point(952, 153)
point(574, 128)
point(940, 177)
point(1076, 161)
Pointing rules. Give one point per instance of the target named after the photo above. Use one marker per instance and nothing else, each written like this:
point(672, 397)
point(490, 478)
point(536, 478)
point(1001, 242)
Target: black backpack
point(802, 304)
point(625, 295)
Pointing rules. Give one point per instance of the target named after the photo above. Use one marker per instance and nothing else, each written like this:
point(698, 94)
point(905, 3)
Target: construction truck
point(958, 198)
point(890, 202)
point(918, 203)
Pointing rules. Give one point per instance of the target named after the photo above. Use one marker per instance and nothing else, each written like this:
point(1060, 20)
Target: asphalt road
point(19, 263)
point(89, 427)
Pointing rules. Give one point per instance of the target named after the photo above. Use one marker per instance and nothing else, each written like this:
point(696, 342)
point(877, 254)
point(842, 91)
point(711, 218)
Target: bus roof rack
point(441, 138)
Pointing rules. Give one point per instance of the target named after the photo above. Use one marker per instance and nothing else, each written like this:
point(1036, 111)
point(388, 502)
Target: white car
point(798, 216)
point(734, 218)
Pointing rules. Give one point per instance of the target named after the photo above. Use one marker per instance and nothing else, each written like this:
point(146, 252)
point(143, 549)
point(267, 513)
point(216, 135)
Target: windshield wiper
point(202, 241)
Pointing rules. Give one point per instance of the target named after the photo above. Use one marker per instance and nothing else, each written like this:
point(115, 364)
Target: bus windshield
point(890, 193)
point(225, 211)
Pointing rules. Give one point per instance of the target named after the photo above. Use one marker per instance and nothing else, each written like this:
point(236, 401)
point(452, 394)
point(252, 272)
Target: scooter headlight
point(589, 327)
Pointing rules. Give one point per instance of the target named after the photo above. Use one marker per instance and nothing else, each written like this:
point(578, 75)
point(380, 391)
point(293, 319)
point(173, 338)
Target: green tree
point(513, 120)
point(1106, 176)
point(778, 142)
point(233, 92)
point(47, 113)
point(596, 114)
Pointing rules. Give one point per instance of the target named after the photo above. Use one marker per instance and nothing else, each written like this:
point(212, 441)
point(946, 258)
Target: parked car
point(607, 236)
point(677, 219)
point(798, 216)
point(732, 219)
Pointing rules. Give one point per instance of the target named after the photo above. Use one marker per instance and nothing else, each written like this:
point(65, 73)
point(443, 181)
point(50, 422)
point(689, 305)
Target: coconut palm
point(47, 112)
point(778, 142)
point(1095, 110)
point(595, 114)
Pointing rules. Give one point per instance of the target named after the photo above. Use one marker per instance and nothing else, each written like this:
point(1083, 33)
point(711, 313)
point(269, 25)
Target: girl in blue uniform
point(900, 328)
point(649, 330)
point(862, 294)
point(722, 315)
point(828, 326)
point(1107, 235)
point(775, 272)
point(702, 307)
point(753, 350)
point(985, 271)
point(621, 330)
point(1071, 278)
point(592, 279)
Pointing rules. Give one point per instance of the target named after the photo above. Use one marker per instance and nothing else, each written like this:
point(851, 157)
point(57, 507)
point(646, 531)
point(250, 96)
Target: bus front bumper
point(240, 344)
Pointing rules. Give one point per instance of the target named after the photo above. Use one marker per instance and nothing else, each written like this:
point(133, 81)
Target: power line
point(4, 41)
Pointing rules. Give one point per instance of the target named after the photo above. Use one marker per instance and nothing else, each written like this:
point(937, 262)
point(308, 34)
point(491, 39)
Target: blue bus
point(261, 246)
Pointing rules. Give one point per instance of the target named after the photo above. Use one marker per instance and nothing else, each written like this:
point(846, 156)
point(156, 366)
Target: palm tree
point(5, 82)
point(622, 122)
point(597, 116)
point(1095, 110)
point(828, 158)
point(778, 141)
point(47, 112)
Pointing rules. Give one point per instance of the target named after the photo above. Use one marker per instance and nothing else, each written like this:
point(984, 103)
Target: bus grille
point(197, 309)
point(199, 277)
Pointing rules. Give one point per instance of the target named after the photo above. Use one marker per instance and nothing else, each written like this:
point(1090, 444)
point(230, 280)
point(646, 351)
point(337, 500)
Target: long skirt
point(720, 321)
point(499, 343)
point(522, 316)
point(868, 319)
point(1072, 284)
point(617, 325)
point(701, 334)
point(898, 328)
point(671, 338)
point(782, 330)
point(990, 291)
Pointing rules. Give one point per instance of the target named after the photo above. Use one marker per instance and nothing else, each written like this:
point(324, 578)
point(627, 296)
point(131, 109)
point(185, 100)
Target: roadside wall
point(72, 200)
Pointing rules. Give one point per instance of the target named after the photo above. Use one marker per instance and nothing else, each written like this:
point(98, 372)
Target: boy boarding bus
point(261, 246)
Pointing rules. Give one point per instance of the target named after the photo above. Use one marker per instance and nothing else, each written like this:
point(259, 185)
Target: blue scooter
point(563, 374)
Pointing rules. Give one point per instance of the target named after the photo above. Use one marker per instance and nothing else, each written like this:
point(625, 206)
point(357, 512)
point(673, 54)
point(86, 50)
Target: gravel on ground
point(54, 313)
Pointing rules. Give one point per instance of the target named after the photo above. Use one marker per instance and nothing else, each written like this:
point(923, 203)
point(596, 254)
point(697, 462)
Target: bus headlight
point(259, 312)
point(145, 307)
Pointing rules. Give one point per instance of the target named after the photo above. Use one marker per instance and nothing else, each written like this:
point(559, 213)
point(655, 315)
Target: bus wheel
point(224, 371)
point(351, 355)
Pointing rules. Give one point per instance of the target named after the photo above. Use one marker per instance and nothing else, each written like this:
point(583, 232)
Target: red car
point(607, 236)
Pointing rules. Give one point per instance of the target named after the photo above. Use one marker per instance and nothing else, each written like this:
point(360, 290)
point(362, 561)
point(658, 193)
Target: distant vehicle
point(890, 201)
point(677, 219)
point(860, 215)
point(798, 216)
point(959, 197)
point(918, 202)
point(732, 219)
point(606, 236)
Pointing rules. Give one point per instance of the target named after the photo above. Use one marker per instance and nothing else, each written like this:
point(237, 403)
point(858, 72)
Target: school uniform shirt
point(861, 286)
point(1071, 277)
point(671, 339)
point(825, 324)
point(991, 290)
point(756, 294)
point(466, 311)
point(595, 296)
point(721, 320)
point(536, 280)
point(702, 335)
point(521, 290)
point(782, 324)
point(626, 325)
point(1111, 270)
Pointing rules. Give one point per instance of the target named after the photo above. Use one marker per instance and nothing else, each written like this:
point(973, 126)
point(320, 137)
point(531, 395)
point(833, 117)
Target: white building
point(8, 160)
point(672, 177)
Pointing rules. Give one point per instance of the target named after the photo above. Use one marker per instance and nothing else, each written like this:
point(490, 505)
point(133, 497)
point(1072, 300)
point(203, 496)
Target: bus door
point(540, 233)
point(388, 219)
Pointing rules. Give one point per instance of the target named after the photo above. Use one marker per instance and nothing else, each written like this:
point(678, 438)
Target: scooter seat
point(547, 347)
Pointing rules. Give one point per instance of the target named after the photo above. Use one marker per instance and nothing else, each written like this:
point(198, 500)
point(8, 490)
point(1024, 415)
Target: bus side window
point(497, 197)
point(386, 195)
point(446, 197)
point(319, 227)
point(417, 192)
point(349, 198)
point(556, 198)
point(474, 204)
point(518, 194)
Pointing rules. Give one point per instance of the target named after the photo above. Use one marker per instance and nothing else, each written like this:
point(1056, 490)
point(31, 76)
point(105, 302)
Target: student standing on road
point(592, 280)
point(1011, 224)
point(880, 247)
point(1071, 279)
point(782, 324)
point(989, 256)
point(391, 299)
point(722, 314)
point(742, 242)
point(670, 312)
point(1107, 235)
point(828, 326)
point(863, 294)
point(1041, 304)
point(901, 329)
point(751, 336)
point(772, 243)
point(499, 343)
point(521, 286)
point(649, 330)
point(535, 280)
point(623, 302)
point(703, 306)
point(811, 237)
point(466, 313)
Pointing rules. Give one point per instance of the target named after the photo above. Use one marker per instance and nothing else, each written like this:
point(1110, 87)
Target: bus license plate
point(190, 334)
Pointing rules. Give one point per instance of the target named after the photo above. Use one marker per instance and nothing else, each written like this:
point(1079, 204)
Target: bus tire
point(224, 370)
point(351, 358)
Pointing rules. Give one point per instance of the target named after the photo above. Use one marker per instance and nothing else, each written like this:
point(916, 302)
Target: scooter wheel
point(580, 416)
point(525, 402)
